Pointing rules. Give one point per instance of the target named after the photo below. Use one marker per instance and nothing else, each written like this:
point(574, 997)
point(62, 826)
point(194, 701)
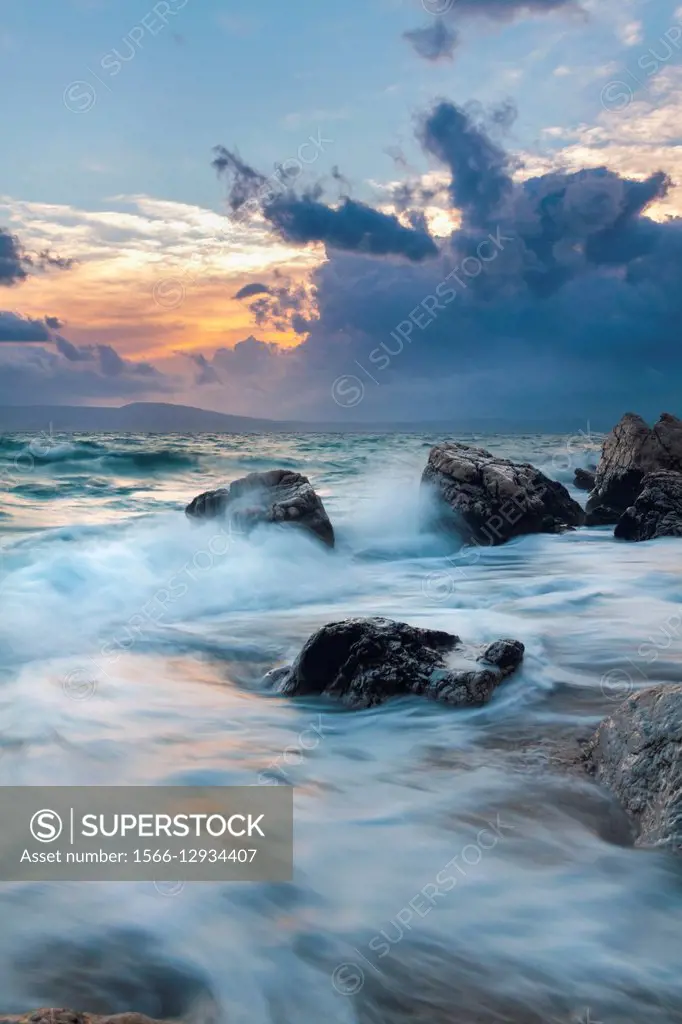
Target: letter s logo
point(46, 826)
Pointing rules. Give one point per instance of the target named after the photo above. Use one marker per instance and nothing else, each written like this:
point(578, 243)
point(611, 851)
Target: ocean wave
point(37, 452)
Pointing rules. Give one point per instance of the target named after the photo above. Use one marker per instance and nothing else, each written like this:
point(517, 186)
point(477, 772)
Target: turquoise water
point(134, 643)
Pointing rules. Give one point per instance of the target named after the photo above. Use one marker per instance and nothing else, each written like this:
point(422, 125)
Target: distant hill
point(166, 418)
point(138, 417)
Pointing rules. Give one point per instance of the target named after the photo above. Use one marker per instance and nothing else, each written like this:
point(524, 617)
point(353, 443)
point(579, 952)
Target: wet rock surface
point(363, 662)
point(637, 753)
point(657, 510)
point(630, 452)
point(114, 973)
point(488, 500)
point(277, 496)
point(585, 479)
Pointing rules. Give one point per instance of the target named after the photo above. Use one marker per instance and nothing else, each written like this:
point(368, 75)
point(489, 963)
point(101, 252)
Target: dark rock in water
point(363, 662)
point(584, 479)
point(631, 451)
point(657, 511)
point(278, 496)
point(602, 515)
point(636, 754)
point(114, 973)
point(488, 500)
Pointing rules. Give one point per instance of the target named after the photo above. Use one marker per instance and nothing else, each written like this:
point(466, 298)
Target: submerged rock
point(636, 754)
point(363, 662)
point(488, 500)
point(277, 496)
point(630, 452)
point(585, 479)
point(657, 511)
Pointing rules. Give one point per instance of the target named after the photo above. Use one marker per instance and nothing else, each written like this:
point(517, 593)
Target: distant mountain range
point(166, 418)
point(138, 417)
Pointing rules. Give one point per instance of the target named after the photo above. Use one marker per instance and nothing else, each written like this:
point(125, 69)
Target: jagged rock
point(602, 515)
point(487, 500)
point(631, 451)
point(363, 662)
point(277, 496)
point(657, 512)
point(636, 754)
point(584, 479)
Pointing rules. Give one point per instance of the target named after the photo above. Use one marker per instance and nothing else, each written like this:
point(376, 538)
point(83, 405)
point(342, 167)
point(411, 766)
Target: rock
point(278, 496)
point(657, 511)
point(636, 754)
point(602, 515)
point(363, 662)
point(630, 452)
point(488, 500)
point(584, 479)
point(113, 972)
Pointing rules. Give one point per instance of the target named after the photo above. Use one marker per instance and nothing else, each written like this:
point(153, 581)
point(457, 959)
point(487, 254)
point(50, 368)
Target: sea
point(114, 673)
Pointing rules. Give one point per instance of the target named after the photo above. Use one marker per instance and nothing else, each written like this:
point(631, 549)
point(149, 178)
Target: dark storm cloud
point(439, 39)
point(68, 373)
point(284, 304)
point(251, 289)
point(436, 41)
point(505, 10)
point(15, 328)
point(556, 294)
point(478, 166)
point(16, 264)
point(351, 226)
point(73, 353)
point(206, 373)
point(113, 365)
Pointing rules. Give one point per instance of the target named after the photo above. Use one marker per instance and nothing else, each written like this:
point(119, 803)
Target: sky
point(373, 210)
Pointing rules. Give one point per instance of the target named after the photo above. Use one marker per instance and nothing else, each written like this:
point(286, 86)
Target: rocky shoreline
point(482, 499)
point(631, 761)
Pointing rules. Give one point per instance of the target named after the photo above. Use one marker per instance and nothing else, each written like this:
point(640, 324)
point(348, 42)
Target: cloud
point(479, 168)
point(72, 352)
point(17, 328)
point(556, 293)
point(256, 288)
point(16, 264)
point(437, 41)
point(33, 374)
point(507, 10)
point(206, 372)
point(351, 226)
